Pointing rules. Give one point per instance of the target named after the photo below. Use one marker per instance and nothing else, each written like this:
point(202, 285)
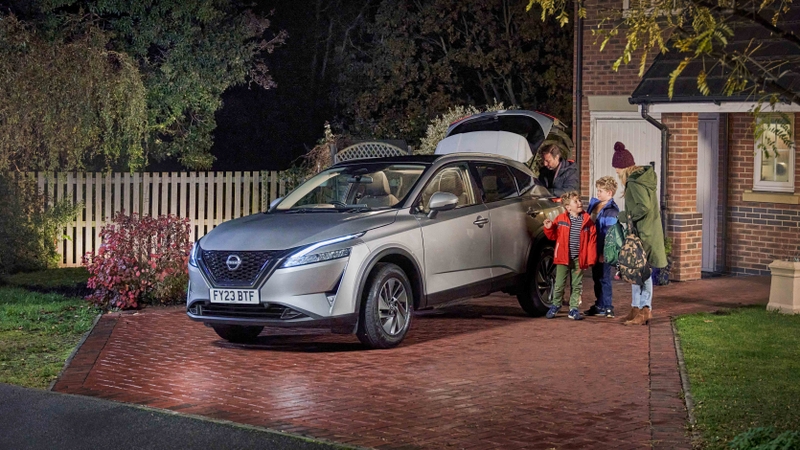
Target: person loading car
point(558, 175)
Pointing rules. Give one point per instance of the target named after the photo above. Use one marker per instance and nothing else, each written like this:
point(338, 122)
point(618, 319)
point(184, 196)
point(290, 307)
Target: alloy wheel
point(393, 307)
point(545, 277)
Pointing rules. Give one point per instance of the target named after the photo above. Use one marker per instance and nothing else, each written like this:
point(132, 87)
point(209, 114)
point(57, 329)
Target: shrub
point(438, 126)
point(142, 260)
point(766, 438)
point(30, 230)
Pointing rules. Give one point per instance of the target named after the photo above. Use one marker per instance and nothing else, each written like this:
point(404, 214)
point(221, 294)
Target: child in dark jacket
point(604, 212)
point(576, 250)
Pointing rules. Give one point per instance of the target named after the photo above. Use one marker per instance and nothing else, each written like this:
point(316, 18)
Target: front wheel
point(535, 293)
point(387, 307)
point(237, 334)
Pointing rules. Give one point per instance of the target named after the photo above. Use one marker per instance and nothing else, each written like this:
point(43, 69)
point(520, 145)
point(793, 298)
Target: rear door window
point(496, 182)
point(524, 181)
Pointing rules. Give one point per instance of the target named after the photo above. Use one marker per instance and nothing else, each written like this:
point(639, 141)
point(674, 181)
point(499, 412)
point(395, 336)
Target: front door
point(707, 186)
point(457, 243)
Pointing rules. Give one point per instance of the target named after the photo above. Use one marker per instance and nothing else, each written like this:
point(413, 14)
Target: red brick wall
point(599, 78)
point(756, 232)
point(684, 223)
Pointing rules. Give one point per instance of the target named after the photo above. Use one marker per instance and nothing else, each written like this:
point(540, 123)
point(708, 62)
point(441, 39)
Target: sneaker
point(553, 311)
point(594, 310)
point(609, 312)
point(574, 314)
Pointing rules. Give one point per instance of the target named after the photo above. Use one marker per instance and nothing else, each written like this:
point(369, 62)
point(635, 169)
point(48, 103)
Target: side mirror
point(274, 203)
point(441, 201)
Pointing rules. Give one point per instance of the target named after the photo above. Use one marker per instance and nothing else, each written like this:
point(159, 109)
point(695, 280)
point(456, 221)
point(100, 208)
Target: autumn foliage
point(142, 260)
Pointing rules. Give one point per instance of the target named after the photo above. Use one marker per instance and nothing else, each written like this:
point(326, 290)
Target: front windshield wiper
point(352, 208)
point(305, 210)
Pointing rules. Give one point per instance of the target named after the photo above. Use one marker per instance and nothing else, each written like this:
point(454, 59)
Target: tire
point(387, 307)
point(536, 289)
point(237, 334)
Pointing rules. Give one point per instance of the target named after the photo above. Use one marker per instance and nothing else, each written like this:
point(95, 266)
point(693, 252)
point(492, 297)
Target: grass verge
point(744, 369)
point(38, 332)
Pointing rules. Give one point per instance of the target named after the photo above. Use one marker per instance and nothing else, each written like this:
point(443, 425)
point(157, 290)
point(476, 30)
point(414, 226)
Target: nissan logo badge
point(233, 262)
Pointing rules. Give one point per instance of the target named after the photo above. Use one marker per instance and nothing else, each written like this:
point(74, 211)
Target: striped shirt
point(575, 235)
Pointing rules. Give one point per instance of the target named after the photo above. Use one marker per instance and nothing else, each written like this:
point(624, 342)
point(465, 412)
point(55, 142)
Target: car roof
point(430, 159)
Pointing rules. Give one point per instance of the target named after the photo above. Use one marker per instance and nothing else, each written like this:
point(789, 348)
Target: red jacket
point(559, 232)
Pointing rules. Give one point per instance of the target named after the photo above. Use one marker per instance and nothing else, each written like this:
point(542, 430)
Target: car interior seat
point(378, 193)
point(451, 182)
point(489, 183)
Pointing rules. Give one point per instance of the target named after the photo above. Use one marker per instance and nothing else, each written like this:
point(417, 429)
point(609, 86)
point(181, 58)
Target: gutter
point(664, 149)
point(578, 91)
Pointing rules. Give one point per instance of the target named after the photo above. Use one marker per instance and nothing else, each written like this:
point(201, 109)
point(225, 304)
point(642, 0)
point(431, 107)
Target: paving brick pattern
point(478, 375)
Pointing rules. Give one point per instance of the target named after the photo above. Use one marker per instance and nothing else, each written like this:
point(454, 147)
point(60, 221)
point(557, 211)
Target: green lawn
point(51, 278)
point(744, 369)
point(39, 331)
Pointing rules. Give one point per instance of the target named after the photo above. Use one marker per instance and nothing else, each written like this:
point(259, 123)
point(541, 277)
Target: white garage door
point(641, 138)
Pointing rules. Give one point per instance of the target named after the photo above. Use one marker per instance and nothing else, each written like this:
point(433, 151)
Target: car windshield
point(365, 186)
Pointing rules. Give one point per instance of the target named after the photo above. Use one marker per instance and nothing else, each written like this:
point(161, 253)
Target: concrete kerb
point(74, 352)
point(685, 384)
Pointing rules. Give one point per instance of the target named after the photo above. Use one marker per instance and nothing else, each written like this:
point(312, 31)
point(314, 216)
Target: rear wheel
point(237, 333)
point(535, 293)
point(387, 307)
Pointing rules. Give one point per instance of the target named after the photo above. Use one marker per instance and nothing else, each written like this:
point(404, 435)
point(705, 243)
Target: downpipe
point(664, 148)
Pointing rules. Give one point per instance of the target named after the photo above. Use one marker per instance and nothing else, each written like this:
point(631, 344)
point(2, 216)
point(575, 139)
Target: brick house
point(729, 208)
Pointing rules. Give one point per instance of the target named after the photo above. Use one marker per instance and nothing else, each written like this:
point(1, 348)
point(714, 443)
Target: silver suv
point(360, 246)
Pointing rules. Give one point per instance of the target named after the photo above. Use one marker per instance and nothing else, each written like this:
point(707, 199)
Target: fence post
point(264, 190)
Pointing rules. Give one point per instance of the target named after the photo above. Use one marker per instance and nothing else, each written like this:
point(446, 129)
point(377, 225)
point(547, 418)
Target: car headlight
point(193, 254)
point(309, 255)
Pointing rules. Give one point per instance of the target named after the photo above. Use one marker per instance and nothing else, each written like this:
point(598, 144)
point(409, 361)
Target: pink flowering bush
point(142, 260)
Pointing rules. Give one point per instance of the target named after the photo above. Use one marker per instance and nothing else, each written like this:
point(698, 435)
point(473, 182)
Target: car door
point(457, 243)
point(508, 217)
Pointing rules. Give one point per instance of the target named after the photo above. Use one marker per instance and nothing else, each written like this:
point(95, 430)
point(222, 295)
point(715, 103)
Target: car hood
point(280, 231)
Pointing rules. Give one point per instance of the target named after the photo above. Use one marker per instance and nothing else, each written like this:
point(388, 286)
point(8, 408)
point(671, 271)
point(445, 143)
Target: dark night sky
point(261, 129)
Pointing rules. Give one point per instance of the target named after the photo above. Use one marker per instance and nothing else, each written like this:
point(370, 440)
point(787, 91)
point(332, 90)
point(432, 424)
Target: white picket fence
point(205, 198)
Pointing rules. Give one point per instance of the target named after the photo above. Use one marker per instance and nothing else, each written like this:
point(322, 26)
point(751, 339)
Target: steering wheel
point(338, 204)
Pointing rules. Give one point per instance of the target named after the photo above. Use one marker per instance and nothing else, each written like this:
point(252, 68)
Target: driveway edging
point(74, 352)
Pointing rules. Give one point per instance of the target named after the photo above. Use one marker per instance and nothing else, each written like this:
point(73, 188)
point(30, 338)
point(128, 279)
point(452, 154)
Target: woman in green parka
point(641, 202)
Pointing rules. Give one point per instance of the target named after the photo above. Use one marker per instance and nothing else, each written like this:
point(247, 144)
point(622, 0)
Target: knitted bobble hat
point(622, 157)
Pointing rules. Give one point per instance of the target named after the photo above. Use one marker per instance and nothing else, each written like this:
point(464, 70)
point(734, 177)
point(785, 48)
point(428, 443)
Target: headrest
point(451, 182)
point(489, 183)
point(379, 186)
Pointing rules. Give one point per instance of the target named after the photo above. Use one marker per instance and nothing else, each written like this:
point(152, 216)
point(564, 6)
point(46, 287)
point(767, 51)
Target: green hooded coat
point(642, 204)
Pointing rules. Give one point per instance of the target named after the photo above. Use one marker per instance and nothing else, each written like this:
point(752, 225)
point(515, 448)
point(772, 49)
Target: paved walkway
point(478, 375)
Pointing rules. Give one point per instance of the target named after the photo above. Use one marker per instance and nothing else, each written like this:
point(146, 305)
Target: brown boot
point(643, 318)
point(631, 314)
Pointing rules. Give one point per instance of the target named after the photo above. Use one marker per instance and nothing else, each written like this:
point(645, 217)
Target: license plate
point(235, 296)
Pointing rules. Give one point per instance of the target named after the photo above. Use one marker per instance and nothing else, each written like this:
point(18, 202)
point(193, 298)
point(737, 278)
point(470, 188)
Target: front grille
point(253, 262)
point(245, 311)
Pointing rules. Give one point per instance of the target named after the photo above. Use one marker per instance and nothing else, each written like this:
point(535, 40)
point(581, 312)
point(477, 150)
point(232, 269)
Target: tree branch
point(754, 17)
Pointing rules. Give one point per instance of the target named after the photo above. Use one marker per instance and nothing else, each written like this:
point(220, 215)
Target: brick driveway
point(478, 375)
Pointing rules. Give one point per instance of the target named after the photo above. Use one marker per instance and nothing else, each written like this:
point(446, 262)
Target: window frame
point(775, 186)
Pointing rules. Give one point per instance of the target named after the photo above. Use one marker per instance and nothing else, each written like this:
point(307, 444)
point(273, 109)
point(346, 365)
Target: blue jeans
point(643, 296)
point(601, 274)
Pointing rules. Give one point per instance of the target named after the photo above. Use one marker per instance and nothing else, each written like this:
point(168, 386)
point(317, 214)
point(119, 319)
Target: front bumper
point(318, 295)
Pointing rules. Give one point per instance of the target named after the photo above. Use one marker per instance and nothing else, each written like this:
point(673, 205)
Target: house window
point(774, 157)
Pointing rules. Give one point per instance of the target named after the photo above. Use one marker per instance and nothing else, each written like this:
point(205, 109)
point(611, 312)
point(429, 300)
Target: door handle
point(480, 222)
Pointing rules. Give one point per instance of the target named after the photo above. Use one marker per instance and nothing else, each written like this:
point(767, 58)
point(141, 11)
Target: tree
point(188, 54)
point(700, 30)
point(415, 59)
point(66, 103)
